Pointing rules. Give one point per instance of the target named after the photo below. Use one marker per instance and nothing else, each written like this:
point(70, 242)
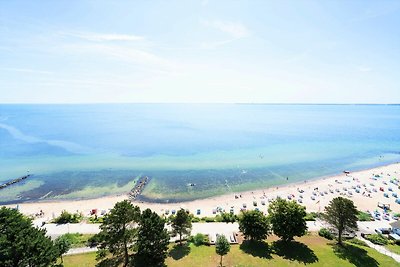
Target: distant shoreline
point(144, 199)
point(235, 200)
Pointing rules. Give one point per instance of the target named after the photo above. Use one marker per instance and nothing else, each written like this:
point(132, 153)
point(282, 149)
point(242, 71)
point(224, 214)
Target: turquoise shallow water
point(81, 151)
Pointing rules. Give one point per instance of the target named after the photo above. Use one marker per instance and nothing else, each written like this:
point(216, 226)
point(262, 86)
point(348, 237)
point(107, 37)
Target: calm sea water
point(82, 151)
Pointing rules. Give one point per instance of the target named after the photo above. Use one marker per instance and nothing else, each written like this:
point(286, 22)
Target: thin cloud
point(204, 2)
point(364, 69)
point(378, 10)
point(104, 37)
point(122, 53)
point(213, 45)
point(28, 70)
point(235, 29)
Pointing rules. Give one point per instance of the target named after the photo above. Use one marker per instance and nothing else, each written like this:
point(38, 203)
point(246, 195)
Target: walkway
point(380, 249)
point(73, 251)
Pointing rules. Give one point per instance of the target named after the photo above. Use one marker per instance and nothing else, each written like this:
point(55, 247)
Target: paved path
point(380, 249)
point(73, 251)
point(55, 230)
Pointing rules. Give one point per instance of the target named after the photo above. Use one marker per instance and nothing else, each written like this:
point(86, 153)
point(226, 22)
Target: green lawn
point(78, 240)
point(81, 260)
point(394, 248)
point(309, 250)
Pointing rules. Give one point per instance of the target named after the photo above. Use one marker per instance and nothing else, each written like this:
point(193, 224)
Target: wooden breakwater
point(2, 186)
point(138, 188)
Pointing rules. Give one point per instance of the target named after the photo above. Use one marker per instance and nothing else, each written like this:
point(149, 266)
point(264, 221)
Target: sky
point(199, 51)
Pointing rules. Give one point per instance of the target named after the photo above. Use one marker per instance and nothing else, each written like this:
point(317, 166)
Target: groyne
point(138, 188)
point(17, 180)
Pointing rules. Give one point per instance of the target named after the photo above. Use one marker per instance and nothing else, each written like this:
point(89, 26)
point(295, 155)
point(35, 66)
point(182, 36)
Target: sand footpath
point(366, 188)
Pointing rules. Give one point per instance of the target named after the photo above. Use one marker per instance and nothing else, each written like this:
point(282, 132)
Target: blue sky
point(200, 51)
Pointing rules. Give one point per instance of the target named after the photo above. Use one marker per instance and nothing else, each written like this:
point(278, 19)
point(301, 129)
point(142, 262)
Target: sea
point(188, 151)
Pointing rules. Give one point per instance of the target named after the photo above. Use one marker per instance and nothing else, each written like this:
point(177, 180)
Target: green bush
point(218, 218)
point(208, 219)
point(94, 240)
point(358, 242)
point(312, 216)
point(96, 219)
point(228, 217)
point(326, 233)
point(196, 219)
point(66, 217)
point(363, 216)
point(377, 239)
point(199, 239)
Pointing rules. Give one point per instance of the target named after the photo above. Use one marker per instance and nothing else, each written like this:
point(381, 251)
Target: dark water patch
point(66, 182)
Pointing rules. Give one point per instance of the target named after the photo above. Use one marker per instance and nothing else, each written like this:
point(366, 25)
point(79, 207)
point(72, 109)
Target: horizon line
point(194, 103)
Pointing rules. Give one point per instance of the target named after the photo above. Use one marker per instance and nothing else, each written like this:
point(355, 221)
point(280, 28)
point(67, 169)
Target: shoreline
point(235, 200)
point(144, 199)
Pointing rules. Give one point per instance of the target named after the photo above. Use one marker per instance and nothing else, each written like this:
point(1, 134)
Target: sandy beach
point(366, 188)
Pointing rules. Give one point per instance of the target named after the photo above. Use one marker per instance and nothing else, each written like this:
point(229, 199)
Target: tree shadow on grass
point(294, 251)
point(179, 251)
point(355, 255)
point(259, 249)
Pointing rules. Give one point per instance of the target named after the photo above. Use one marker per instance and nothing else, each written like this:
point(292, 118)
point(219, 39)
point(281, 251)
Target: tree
point(342, 215)
point(181, 224)
point(117, 234)
point(254, 225)
point(152, 240)
point(287, 219)
point(63, 244)
point(21, 244)
point(222, 246)
point(66, 217)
